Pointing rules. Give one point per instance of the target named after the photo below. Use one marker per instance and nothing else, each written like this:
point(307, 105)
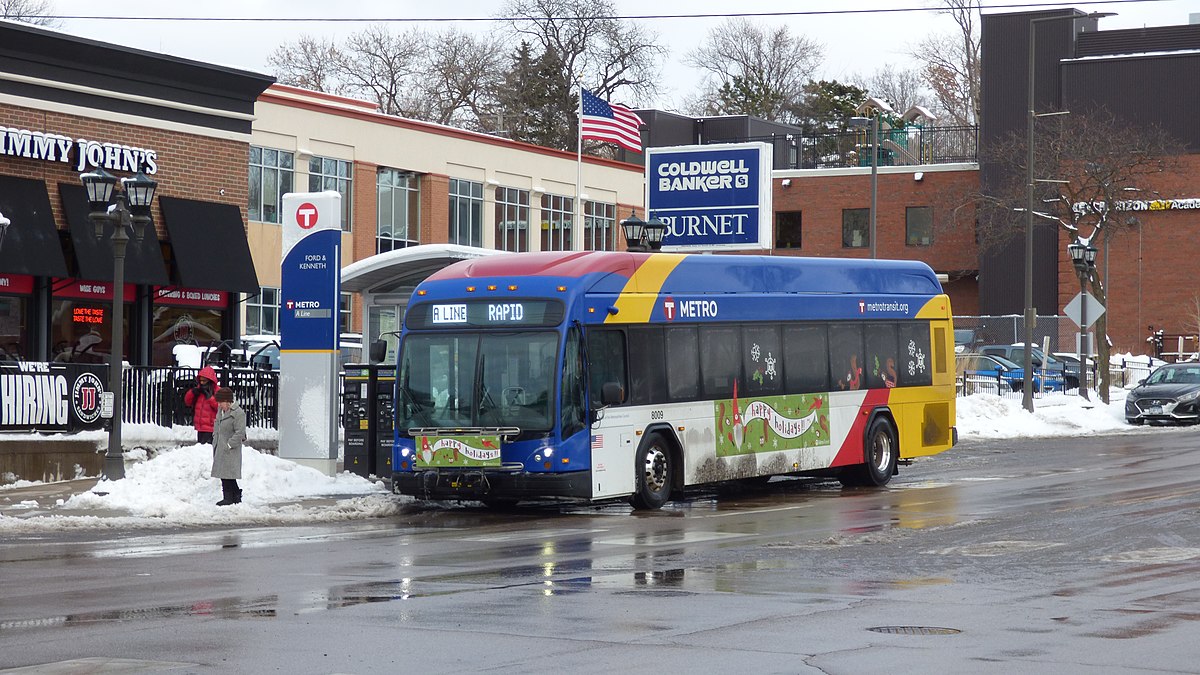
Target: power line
point(630, 17)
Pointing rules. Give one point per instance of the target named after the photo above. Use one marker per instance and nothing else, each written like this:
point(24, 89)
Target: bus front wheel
point(655, 472)
point(881, 452)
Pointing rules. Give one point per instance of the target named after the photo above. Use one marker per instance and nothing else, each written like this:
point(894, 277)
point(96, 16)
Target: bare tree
point(605, 54)
point(310, 62)
point(459, 75)
point(34, 12)
point(951, 63)
point(769, 66)
point(382, 65)
point(1096, 160)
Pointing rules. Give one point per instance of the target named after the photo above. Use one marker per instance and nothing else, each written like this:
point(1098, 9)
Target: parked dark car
point(1171, 395)
point(1041, 362)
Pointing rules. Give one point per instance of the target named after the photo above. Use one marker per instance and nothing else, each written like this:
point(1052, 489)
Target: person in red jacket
point(202, 399)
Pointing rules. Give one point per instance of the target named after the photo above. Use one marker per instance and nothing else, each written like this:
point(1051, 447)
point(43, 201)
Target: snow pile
point(174, 488)
point(991, 416)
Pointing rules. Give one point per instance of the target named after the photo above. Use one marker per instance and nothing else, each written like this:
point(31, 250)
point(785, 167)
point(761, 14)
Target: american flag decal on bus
point(597, 441)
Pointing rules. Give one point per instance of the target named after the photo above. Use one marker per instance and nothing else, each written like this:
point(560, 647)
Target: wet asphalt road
point(1067, 556)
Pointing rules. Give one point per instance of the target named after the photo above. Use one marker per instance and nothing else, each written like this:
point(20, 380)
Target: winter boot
point(227, 494)
point(237, 494)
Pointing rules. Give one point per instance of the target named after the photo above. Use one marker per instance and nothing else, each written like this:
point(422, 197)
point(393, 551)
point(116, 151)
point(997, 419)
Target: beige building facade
point(405, 183)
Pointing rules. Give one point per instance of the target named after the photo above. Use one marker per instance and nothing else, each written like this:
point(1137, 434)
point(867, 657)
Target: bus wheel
point(654, 473)
point(880, 454)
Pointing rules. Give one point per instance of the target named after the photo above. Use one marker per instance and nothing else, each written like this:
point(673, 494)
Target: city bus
point(618, 375)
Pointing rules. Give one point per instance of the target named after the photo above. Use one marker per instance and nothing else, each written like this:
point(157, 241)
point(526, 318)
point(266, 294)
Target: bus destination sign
point(486, 313)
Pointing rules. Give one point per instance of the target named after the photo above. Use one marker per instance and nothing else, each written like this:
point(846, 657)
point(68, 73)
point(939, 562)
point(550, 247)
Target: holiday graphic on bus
point(458, 451)
point(771, 423)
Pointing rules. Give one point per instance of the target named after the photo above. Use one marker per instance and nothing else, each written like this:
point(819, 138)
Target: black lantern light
point(633, 227)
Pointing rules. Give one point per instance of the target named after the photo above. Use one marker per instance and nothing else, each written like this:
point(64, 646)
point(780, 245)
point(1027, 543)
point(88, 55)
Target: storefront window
point(81, 331)
point(182, 326)
point(13, 334)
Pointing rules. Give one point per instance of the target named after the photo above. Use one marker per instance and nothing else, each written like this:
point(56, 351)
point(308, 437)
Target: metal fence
point(1050, 333)
point(897, 147)
point(154, 395)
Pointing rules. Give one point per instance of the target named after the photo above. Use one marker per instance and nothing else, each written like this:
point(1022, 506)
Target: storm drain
point(914, 630)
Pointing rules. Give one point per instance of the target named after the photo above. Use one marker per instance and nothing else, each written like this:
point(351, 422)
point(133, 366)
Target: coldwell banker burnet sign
point(711, 196)
point(308, 329)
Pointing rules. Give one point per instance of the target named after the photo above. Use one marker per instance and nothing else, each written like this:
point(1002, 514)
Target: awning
point(209, 241)
point(143, 259)
point(30, 244)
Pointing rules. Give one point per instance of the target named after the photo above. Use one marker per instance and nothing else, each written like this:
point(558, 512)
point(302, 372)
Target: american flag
point(598, 441)
point(611, 122)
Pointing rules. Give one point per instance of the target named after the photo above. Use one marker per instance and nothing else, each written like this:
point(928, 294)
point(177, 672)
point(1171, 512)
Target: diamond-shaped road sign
point(1094, 309)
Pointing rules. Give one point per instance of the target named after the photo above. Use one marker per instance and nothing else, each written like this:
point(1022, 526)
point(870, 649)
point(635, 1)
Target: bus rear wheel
point(655, 473)
point(881, 452)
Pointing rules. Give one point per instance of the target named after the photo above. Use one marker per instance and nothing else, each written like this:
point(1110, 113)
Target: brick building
point(71, 105)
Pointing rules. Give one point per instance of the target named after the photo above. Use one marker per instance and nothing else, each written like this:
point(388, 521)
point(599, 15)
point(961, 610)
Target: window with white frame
point(346, 313)
point(325, 173)
point(466, 212)
point(599, 226)
point(512, 219)
point(557, 213)
point(262, 312)
point(398, 212)
point(271, 175)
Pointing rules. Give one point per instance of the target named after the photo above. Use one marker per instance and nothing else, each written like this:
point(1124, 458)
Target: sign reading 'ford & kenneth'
point(711, 196)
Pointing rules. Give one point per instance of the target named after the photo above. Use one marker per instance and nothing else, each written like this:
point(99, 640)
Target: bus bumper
point(472, 485)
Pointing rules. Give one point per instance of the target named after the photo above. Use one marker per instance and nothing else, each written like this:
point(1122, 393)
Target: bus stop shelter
point(386, 282)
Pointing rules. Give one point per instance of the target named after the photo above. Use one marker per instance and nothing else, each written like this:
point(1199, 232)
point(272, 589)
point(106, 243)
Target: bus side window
point(846, 356)
point(916, 362)
point(647, 367)
point(683, 373)
point(722, 363)
point(806, 358)
point(882, 366)
point(606, 362)
point(761, 360)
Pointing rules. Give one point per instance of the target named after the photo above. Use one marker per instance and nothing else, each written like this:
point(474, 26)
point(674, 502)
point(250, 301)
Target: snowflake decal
point(921, 361)
point(912, 368)
point(770, 366)
point(912, 348)
point(754, 353)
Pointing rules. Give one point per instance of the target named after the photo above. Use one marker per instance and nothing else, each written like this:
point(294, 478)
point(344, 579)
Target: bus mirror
point(378, 351)
point(612, 393)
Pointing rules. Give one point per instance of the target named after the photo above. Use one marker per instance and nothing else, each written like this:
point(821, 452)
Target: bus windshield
point(477, 380)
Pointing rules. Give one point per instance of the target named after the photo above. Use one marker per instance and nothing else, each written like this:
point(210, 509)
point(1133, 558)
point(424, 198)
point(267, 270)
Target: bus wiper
point(415, 406)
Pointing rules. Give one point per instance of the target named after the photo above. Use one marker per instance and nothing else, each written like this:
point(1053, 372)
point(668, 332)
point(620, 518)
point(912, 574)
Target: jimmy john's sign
point(79, 153)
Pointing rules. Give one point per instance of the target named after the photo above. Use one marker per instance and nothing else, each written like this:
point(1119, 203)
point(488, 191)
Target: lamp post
point(872, 122)
point(1083, 257)
point(1030, 310)
point(642, 236)
point(129, 212)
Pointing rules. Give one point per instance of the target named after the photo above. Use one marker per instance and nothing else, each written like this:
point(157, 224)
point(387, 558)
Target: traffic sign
point(1094, 309)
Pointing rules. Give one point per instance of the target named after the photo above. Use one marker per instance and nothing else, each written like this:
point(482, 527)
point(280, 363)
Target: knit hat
point(225, 395)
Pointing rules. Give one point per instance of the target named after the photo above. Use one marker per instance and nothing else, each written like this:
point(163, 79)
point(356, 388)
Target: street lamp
point(873, 123)
point(129, 212)
point(1083, 257)
point(1030, 310)
point(642, 236)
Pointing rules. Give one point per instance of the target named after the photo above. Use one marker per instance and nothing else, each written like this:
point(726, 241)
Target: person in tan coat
point(229, 432)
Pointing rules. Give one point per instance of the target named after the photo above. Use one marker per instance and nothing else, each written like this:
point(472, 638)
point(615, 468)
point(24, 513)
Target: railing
point(897, 147)
point(154, 395)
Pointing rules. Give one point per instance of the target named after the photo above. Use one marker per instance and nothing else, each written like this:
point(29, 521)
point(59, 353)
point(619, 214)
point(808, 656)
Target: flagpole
point(578, 175)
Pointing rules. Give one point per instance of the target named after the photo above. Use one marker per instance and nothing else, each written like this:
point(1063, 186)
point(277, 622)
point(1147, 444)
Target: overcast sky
point(854, 43)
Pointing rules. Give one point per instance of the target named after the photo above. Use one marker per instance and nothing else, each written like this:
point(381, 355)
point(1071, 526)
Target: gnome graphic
point(426, 451)
point(739, 430)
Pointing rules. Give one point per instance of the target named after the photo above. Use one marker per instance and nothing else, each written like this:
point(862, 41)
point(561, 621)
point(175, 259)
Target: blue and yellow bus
point(617, 375)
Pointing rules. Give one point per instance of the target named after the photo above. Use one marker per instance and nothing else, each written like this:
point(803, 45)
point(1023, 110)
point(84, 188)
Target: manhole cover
point(914, 630)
